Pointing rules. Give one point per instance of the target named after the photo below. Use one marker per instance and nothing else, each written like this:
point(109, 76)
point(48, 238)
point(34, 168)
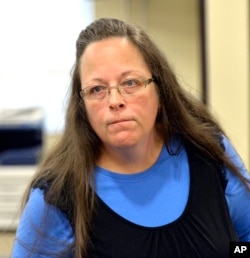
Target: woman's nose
point(115, 99)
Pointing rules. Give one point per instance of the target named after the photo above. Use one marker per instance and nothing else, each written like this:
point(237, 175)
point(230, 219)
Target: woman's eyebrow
point(122, 75)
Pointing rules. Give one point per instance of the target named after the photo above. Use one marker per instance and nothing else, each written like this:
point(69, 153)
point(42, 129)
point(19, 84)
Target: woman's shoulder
point(40, 212)
point(235, 158)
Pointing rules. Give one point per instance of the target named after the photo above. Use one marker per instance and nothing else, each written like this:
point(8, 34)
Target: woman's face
point(119, 121)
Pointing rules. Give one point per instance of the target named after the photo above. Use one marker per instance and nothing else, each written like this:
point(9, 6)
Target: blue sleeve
point(43, 230)
point(237, 195)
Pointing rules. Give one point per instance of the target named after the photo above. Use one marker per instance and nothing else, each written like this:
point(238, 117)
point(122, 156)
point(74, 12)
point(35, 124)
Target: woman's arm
point(237, 196)
point(43, 230)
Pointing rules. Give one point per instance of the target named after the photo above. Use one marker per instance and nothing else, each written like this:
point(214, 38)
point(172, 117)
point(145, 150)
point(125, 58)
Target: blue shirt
point(150, 198)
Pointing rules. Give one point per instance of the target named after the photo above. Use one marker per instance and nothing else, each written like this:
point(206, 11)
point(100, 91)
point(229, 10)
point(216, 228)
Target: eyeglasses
point(125, 88)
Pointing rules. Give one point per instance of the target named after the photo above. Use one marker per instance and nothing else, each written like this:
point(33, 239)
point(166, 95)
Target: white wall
point(37, 50)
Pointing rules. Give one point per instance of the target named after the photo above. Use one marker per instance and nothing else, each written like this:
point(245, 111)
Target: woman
point(142, 168)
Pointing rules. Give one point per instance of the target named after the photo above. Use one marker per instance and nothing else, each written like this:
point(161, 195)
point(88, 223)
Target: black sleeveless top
point(203, 230)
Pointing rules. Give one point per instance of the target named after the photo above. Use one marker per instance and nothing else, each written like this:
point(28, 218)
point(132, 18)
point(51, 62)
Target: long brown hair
point(71, 163)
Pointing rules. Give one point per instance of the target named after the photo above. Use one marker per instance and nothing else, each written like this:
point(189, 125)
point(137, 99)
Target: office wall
point(37, 51)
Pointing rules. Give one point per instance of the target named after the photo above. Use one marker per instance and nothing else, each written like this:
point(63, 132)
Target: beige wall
point(228, 68)
point(174, 25)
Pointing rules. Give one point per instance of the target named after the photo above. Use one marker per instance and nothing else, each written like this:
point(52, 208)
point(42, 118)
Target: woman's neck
point(132, 159)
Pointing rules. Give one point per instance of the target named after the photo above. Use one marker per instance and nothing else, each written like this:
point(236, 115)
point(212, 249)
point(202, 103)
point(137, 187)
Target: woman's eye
point(96, 89)
point(130, 83)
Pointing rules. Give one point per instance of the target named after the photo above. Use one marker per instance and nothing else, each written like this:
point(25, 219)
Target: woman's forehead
point(117, 55)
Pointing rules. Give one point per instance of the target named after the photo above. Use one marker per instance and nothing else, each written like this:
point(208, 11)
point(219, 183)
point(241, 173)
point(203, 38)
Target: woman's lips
point(119, 121)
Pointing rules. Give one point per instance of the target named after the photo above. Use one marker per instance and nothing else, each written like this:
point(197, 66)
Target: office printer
point(21, 136)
